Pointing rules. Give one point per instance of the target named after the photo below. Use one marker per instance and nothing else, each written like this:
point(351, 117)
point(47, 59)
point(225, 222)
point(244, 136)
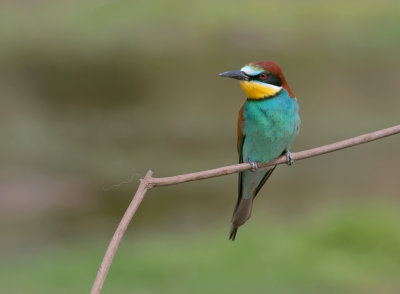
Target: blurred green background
point(95, 93)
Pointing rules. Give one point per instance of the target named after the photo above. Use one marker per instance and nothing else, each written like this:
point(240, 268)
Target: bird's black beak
point(235, 74)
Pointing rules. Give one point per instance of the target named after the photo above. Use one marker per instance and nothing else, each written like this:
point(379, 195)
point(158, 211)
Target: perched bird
point(267, 124)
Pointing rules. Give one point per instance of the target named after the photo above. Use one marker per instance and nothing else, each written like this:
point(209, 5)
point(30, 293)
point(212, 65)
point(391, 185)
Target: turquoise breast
point(270, 126)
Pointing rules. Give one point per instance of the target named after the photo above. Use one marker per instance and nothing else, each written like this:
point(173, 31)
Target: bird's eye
point(263, 76)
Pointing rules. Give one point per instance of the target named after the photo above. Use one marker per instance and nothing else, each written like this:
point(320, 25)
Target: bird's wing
point(240, 136)
point(240, 142)
point(264, 179)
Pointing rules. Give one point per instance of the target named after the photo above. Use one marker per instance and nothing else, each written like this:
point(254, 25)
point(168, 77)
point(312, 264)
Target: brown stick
point(144, 186)
point(149, 182)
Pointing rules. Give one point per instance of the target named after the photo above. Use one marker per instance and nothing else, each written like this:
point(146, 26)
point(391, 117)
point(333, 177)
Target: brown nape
point(276, 70)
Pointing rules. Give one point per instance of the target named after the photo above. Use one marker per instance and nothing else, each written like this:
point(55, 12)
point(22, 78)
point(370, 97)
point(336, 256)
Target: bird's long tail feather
point(241, 214)
point(232, 234)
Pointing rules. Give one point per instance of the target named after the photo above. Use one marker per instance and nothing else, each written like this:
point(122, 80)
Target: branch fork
point(148, 182)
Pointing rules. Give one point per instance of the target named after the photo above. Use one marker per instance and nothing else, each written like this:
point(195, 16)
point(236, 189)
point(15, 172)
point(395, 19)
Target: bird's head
point(260, 80)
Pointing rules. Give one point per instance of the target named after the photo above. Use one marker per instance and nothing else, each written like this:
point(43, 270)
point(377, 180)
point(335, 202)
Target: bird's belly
point(262, 147)
point(268, 136)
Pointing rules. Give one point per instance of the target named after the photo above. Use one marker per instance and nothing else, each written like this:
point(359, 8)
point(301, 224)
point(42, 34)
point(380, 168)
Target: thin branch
point(149, 182)
point(227, 170)
point(144, 186)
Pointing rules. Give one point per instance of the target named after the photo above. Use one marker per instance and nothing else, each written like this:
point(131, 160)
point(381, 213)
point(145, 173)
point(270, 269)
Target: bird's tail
point(232, 234)
point(241, 214)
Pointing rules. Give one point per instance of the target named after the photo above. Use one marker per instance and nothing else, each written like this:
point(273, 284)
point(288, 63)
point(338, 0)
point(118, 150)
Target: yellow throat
point(257, 90)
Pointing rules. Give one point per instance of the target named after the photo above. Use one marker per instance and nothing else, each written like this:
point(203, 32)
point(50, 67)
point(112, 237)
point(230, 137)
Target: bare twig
point(149, 182)
point(145, 185)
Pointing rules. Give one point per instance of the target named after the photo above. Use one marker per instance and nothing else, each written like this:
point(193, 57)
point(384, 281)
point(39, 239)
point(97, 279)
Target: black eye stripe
point(270, 79)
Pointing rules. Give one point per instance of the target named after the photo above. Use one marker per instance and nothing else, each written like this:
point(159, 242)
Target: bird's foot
point(289, 157)
point(253, 164)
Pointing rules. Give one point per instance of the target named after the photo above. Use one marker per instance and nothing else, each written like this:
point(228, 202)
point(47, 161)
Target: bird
point(267, 124)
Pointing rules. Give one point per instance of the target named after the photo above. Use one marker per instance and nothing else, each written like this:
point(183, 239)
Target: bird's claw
point(289, 157)
point(254, 166)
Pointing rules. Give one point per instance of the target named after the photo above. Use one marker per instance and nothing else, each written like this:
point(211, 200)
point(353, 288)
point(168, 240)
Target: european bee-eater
point(267, 124)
